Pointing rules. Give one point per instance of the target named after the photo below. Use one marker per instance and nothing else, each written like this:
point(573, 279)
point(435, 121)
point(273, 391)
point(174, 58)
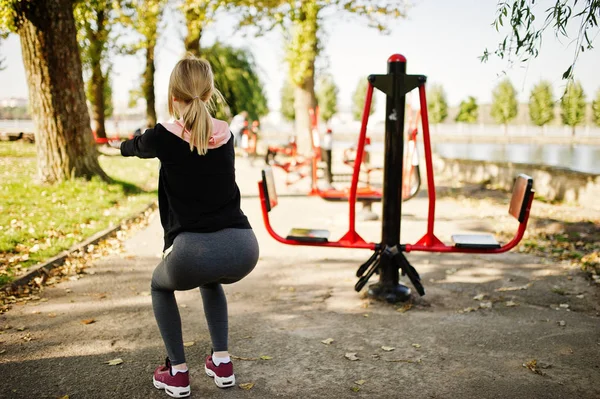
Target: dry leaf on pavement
point(114, 362)
point(328, 341)
point(388, 348)
point(359, 382)
point(519, 288)
point(266, 358)
point(416, 345)
point(247, 385)
point(190, 343)
point(351, 356)
point(510, 304)
point(88, 321)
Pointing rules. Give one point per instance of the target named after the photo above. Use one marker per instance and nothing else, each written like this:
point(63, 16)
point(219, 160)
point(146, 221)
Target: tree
point(596, 109)
point(468, 111)
point(144, 16)
point(327, 96)
point(504, 103)
point(358, 100)
point(234, 70)
point(64, 143)
point(237, 79)
point(524, 38)
point(437, 106)
point(287, 101)
point(573, 105)
point(198, 15)
point(95, 19)
point(541, 104)
point(301, 21)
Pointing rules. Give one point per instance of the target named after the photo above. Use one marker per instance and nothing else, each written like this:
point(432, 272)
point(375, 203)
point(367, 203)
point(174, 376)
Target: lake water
point(577, 157)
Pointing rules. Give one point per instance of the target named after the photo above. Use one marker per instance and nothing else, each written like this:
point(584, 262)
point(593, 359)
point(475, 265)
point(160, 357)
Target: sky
point(440, 39)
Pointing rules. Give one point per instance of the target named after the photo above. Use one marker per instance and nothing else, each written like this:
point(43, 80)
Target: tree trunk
point(304, 99)
point(64, 143)
point(148, 86)
point(194, 33)
point(97, 82)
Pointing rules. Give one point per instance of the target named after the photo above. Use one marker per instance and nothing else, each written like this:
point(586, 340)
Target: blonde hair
point(192, 85)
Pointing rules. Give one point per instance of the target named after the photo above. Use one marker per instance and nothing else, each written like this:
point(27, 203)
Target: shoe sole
point(174, 392)
point(221, 382)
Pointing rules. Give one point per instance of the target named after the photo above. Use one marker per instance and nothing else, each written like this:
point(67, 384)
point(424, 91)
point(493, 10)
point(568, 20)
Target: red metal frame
point(429, 242)
point(351, 239)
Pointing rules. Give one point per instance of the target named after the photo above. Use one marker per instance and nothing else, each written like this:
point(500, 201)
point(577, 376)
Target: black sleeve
point(144, 146)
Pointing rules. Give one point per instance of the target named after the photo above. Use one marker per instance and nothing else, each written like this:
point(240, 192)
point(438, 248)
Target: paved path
point(446, 345)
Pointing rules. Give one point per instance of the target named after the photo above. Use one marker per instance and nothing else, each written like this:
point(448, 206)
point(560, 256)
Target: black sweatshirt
point(196, 193)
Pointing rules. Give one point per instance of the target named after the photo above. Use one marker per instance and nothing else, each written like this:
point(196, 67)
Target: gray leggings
point(204, 260)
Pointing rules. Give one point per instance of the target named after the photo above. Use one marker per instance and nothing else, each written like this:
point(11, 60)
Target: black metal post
point(388, 287)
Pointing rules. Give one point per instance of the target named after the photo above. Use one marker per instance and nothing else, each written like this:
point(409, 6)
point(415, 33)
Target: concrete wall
point(550, 183)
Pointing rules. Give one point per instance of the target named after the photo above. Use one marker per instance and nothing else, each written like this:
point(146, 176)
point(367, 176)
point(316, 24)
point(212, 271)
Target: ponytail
point(192, 84)
point(198, 122)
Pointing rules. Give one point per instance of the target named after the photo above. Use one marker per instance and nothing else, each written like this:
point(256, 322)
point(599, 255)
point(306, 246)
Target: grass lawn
point(39, 221)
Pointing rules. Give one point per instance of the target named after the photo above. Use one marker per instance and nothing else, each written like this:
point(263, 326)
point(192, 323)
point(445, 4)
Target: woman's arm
point(144, 146)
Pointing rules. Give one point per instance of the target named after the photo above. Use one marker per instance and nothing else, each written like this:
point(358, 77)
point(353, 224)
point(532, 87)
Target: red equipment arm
point(429, 242)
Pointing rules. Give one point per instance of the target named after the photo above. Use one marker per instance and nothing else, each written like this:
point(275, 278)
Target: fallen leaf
point(467, 310)
point(416, 346)
point(355, 389)
point(518, 288)
point(2, 351)
point(52, 315)
point(405, 308)
point(562, 323)
point(27, 337)
point(247, 385)
point(88, 321)
point(328, 341)
point(190, 343)
point(479, 297)
point(388, 348)
point(485, 305)
point(114, 362)
point(266, 358)
point(35, 312)
point(533, 366)
point(403, 361)
point(351, 356)
point(511, 304)
point(564, 305)
point(19, 328)
point(64, 397)
point(366, 315)
point(360, 382)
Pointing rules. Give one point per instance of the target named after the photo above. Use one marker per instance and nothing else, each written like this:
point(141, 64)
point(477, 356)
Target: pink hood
point(220, 135)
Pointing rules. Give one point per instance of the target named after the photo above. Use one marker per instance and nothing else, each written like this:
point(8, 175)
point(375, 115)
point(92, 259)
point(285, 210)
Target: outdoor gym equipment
point(388, 257)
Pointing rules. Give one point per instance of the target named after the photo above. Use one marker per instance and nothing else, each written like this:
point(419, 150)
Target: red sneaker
point(176, 386)
point(223, 373)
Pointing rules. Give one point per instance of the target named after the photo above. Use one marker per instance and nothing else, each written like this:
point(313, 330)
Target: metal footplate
point(308, 235)
point(475, 241)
